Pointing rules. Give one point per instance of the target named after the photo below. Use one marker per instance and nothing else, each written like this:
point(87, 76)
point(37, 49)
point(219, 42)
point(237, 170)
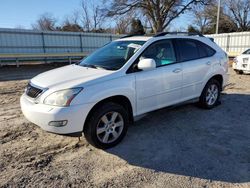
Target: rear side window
point(192, 49)
point(205, 50)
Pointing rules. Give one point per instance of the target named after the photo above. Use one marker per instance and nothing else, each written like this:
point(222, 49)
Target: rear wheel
point(107, 126)
point(210, 95)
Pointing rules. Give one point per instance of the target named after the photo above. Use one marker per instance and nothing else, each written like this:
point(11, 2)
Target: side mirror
point(146, 64)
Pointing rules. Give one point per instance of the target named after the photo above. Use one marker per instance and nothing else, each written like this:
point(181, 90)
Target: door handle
point(177, 70)
point(208, 63)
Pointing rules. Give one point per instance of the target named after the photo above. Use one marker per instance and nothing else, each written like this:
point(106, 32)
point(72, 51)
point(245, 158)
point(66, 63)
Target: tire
point(210, 95)
point(238, 71)
point(103, 132)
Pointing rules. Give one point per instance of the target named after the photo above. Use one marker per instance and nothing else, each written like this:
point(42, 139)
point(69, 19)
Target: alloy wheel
point(212, 94)
point(109, 127)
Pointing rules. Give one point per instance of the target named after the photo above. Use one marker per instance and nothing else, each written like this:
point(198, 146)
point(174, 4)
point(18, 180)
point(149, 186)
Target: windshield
point(246, 52)
point(113, 55)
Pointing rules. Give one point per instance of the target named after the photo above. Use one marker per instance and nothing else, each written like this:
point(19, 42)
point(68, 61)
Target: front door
point(162, 86)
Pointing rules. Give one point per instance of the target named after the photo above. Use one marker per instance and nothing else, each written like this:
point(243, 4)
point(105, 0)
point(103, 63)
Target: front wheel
point(238, 71)
point(210, 95)
point(107, 126)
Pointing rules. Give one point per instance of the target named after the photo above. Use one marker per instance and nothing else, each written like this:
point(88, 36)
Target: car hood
point(68, 76)
point(243, 56)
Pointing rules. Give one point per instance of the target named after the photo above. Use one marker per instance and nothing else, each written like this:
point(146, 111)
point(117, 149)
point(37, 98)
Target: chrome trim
point(36, 86)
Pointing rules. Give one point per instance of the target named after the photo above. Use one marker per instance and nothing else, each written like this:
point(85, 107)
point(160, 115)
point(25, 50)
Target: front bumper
point(41, 115)
point(244, 67)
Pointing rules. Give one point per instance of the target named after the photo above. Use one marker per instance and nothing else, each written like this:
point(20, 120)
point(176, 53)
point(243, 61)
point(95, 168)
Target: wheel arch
point(219, 78)
point(118, 99)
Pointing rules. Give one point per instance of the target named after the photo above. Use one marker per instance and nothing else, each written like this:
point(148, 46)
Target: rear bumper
point(41, 115)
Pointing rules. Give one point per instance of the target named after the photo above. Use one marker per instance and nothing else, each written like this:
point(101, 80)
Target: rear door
point(196, 59)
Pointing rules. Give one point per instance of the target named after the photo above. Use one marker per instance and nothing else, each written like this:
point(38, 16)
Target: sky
point(15, 13)
point(24, 13)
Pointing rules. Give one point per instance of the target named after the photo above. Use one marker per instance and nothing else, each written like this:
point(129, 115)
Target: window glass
point(188, 50)
point(247, 52)
point(193, 49)
point(202, 50)
point(205, 50)
point(113, 55)
point(210, 51)
point(162, 52)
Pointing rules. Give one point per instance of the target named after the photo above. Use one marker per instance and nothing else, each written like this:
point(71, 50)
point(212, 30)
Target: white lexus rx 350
point(126, 78)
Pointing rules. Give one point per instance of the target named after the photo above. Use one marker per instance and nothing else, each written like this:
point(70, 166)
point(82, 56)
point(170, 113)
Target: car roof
point(147, 38)
point(158, 37)
point(162, 35)
point(135, 38)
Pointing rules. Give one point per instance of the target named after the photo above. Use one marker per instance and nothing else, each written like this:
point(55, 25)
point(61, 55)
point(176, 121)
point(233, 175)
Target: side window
point(188, 49)
point(205, 50)
point(162, 52)
point(193, 49)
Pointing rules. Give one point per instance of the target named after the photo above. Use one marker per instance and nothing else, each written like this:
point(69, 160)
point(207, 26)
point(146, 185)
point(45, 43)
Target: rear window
point(192, 49)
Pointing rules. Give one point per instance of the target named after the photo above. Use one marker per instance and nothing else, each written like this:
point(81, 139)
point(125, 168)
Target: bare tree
point(92, 17)
point(68, 25)
point(85, 16)
point(205, 19)
point(71, 23)
point(97, 17)
point(122, 25)
point(159, 12)
point(239, 11)
point(45, 22)
point(202, 18)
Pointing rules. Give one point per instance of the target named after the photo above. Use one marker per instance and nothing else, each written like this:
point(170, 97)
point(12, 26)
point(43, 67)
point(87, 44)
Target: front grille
point(32, 91)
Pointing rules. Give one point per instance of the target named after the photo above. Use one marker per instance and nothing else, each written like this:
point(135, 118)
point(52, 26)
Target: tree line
point(150, 16)
point(234, 17)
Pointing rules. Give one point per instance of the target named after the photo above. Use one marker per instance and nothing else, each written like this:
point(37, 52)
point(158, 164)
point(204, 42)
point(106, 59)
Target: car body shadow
point(208, 144)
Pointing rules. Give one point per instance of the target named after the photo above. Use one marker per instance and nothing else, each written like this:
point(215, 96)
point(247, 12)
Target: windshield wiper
point(88, 65)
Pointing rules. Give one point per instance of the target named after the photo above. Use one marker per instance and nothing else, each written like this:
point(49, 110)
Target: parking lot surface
point(184, 146)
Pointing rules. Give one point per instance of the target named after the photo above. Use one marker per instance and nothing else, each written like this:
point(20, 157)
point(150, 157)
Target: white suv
point(126, 78)
point(241, 63)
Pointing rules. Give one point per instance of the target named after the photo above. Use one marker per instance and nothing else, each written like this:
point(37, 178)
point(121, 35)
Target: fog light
point(58, 123)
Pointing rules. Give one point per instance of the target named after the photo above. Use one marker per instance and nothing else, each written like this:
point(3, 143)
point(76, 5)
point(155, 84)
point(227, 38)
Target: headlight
point(62, 97)
point(235, 60)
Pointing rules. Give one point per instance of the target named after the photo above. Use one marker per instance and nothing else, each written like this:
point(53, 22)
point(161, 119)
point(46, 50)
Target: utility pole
point(218, 17)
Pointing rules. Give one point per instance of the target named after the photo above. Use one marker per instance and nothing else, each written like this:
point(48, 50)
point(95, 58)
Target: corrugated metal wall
point(233, 43)
point(16, 41)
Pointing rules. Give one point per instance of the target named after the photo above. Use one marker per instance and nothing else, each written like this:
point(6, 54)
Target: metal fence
point(233, 43)
point(16, 41)
point(18, 44)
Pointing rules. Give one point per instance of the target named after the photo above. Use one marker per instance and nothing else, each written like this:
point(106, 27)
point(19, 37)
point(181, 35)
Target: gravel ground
point(174, 147)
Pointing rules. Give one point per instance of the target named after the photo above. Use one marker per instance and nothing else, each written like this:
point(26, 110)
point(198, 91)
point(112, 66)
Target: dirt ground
point(179, 147)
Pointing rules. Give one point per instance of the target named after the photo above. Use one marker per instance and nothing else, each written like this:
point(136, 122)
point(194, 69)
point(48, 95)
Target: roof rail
point(176, 33)
point(132, 35)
